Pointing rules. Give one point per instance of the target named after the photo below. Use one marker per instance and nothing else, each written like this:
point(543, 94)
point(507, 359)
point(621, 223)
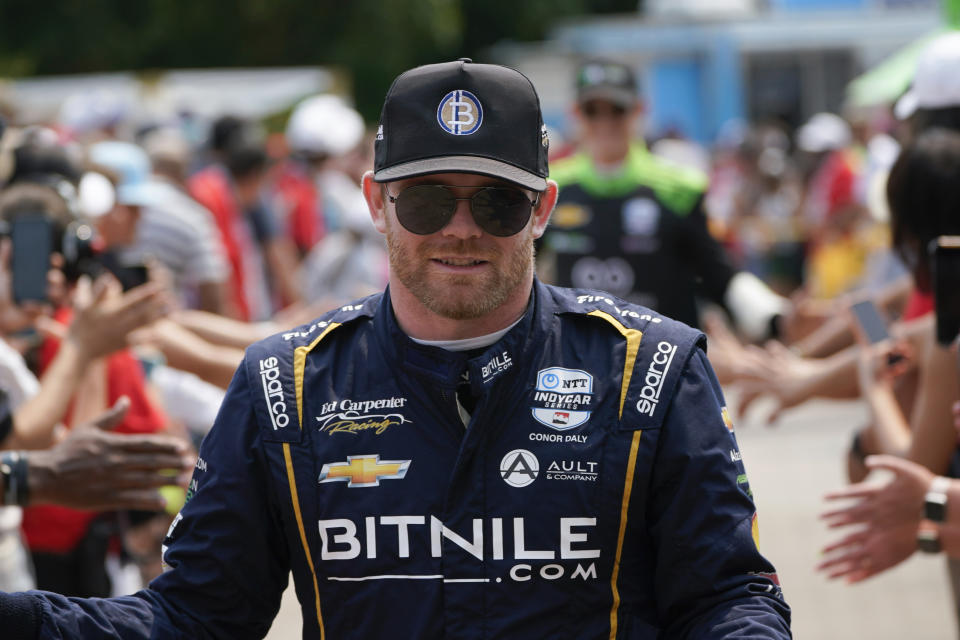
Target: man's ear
point(373, 193)
point(541, 213)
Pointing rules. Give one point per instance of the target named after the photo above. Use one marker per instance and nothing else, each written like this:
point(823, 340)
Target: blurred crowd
point(855, 217)
point(135, 267)
point(137, 261)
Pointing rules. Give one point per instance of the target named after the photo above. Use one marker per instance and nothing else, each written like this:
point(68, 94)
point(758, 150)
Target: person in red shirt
point(262, 260)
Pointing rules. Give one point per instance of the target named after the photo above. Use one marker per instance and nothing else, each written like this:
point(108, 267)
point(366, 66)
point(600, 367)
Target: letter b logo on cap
point(460, 113)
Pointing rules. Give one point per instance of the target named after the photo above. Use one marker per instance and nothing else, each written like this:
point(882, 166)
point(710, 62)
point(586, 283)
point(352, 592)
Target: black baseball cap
point(462, 117)
point(606, 80)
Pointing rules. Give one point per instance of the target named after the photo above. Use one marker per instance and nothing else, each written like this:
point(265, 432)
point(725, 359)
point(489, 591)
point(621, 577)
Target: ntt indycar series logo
point(273, 392)
point(562, 397)
point(653, 379)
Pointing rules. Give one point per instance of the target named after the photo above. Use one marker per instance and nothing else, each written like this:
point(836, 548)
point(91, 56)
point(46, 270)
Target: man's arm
point(94, 469)
point(711, 580)
point(102, 321)
point(187, 351)
point(226, 553)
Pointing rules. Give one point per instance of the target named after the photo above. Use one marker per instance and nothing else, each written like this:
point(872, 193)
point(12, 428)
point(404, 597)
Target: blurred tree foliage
point(372, 39)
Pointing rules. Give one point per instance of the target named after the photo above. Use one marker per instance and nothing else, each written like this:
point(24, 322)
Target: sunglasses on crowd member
point(426, 208)
point(597, 109)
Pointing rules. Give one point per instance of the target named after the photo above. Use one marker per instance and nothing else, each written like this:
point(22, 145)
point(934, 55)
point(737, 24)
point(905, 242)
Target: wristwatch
point(935, 502)
point(928, 540)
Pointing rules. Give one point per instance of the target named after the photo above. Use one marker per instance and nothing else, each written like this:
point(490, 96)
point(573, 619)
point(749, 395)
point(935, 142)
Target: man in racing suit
point(471, 454)
point(632, 224)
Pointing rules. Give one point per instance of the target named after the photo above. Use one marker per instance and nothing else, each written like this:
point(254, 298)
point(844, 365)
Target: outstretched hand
point(777, 373)
point(888, 516)
point(94, 469)
point(900, 501)
point(866, 553)
point(882, 363)
point(104, 316)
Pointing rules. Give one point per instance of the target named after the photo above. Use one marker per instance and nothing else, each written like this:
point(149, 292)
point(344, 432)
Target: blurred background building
point(705, 63)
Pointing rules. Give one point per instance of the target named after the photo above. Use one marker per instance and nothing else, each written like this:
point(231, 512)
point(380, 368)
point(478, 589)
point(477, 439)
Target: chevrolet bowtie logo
point(364, 471)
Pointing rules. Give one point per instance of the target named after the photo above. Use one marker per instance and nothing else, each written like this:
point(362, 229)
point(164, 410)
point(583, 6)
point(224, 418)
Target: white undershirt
point(466, 344)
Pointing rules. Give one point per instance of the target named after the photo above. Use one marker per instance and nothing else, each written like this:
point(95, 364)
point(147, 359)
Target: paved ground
point(790, 468)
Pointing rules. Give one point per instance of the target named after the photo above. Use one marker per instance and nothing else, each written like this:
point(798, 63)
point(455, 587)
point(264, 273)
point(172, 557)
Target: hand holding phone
point(870, 328)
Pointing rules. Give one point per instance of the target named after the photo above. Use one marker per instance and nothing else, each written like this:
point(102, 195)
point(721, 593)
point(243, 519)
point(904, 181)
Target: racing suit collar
point(446, 367)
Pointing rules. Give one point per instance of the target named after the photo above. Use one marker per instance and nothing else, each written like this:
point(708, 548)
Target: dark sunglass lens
point(425, 208)
point(603, 109)
point(501, 211)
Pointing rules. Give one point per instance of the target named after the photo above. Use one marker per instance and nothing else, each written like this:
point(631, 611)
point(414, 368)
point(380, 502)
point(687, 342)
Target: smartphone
point(946, 287)
point(131, 276)
point(128, 275)
point(870, 325)
point(32, 239)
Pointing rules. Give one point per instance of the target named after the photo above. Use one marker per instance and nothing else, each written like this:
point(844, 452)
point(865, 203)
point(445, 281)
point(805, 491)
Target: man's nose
point(462, 224)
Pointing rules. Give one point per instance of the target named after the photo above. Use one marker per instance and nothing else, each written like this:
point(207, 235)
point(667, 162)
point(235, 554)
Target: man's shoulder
point(677, 186)
point(570, 169)
point(277, 366)
point(307, 335)
point(620, 314)
point(656, 349)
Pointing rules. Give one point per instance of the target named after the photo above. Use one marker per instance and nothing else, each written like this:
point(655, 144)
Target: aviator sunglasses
point(426, 208)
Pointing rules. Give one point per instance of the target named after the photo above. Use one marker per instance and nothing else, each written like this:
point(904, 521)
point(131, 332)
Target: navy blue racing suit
point(597, 491)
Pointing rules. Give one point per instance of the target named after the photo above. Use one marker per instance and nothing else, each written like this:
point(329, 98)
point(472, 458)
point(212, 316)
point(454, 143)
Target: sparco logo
point(519, 468)
point(273, 392)
point(653, 380)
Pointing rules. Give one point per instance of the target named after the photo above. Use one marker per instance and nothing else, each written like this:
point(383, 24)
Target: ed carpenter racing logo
point(349, 416)
point(460, 113)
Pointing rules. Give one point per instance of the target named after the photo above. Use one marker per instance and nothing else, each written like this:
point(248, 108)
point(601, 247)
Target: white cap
point(824, 132)
point(133, 168)
point(324, 125)
point(96, 195)
point(936, 82)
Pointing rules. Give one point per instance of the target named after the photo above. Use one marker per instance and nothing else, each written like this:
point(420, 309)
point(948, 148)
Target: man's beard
point(460, 297)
